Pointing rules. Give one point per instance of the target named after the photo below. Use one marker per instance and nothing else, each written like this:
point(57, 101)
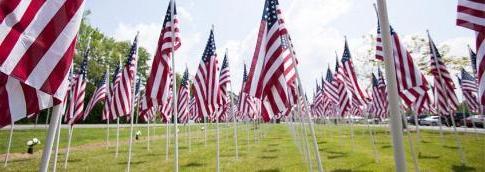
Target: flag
point(99, 94)
point(206, 80)
point(469, 90)
point(471, 15)
point(348, 72)
point(245, 103)
point(412, 85)
point(75, 110)
point(183, 98)
point(36, 50)
point(343, 101)
point(109, 112)
point(122, 96)
point(381, 84)
point(224, 81)
point(379, 45)
point(272, 68)
point(379, 104)
point(157, 87)
point(445, 96)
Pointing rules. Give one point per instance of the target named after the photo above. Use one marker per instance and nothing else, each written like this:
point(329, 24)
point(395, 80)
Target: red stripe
point(6, 7)
point(54, 80)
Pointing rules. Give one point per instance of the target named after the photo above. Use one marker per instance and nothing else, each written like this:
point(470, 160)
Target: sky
point(317, 27)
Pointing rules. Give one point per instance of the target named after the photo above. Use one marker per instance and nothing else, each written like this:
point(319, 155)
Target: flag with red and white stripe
point(37, 43)
point(157, 87)
point(184, 98)
point(99, 95)
point(224, 81)
point(272, 68)
point(123, 93)
point(109, 112)
point(207, 80)
point(358, 96)
point(471, 15)
point(75, 110)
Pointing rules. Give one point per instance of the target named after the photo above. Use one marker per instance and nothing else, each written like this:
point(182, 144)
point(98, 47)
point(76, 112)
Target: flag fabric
point(157, 87)
point(207, 80)
point(122, 96)
point(471, 15)
point(246, 105)
point(445, 97)
point(224, 81)
point(99, 95)
point(272, 68)
point(37, 44)
point(343, 101)
point(109, 112)
point(379, 45)
point(469, 89)
point(381, 84)
point(193, 110)
point(379, 104)
point(358, 96)
point(183, 98)
point(412, 85)
point(75, 111)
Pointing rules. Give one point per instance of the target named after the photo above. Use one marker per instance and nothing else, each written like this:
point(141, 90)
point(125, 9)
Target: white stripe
point(471, 4)
point(16, 99)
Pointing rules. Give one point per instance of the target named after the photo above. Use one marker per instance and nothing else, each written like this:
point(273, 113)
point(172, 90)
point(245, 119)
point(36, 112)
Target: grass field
point(272, 149)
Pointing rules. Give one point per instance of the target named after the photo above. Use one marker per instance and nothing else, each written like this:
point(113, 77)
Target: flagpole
point(234, 120)
point(117, 135)
point(71, 130)
point(174, 86)
point(148, 134)
point(371, 134)
point(108, 88)
point(9, 143)
point(396, 123)
point(167, 137)
point(132, 108)
point(57, 139)
point(48, 115)
point(44, 165)
point(307, 115)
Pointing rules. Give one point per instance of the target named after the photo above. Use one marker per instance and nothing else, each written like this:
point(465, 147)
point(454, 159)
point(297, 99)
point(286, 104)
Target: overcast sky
point(316, 26)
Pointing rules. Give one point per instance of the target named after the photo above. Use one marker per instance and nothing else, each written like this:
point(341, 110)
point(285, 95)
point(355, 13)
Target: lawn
point(271, 147)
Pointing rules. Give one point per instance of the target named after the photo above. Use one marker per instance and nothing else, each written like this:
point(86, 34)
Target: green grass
point(277, 150)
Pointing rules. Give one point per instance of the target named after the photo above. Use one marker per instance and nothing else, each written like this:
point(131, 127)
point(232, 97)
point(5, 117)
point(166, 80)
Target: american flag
point(184, 98)
point(330, 87)
point(99, 94)
point(379, 99)
point(148, 114)
point(471, 15)
point(379, 45)
point(193, 110)
point(469, 90)
point(166, 107)
point(37, 44)
point(122, 95)
point(75, 110)
point(272, 68)
point(245, 102)
point(381, 84)
point(157, 87)
point(348, 72)
point(445, 96)
point(343, 100)
point(412, 84)
point(206, 80)
point(224, 81)
point(473, 60)
point(109, 112)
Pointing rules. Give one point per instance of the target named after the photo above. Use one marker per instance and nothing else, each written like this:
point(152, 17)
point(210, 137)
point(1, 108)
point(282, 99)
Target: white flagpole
point(107, 97)
point(132, 109)
point(36, 120)
point(71, 130)
point(396, 123)
point(9, 143)
point(57, 110)
point(117, 136)
point(48, 115)
point(190, 136)
point(167, 137)
point(57, 139)
point(411, 147)
point(174, 86)
point(306, 114)
point(371, 134)
point(148, 135)
point(234, 120)
point(107, 133)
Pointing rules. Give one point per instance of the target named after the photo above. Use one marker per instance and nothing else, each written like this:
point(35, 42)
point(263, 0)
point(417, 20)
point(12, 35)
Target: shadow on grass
point(274, 144)
point(450, 147)
point(132, 162)
point(342, 170)
point(270, 170)
point(322, 142)
point(17, 160)
point(385, 146)
point(182, 147)
point(271, 150)
point(336, 154)
point(421, 156)
point(193, 164)
point(268, 157)
point(74, 160)
point(462, 168)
